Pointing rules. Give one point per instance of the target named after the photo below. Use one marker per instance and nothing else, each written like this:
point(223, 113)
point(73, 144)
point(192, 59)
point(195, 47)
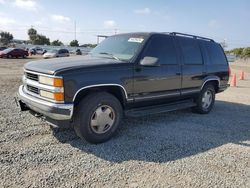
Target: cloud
point(26, 4)
point(109, 24)
point(2, 2)
point(6, 21)
point(213, 24)
point(143, 11)
point(60, 18)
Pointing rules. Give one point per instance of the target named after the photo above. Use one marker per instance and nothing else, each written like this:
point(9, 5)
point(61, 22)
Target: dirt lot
point(178, 149)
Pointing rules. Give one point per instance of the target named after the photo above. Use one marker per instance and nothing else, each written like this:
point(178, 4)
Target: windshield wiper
point(110, 55)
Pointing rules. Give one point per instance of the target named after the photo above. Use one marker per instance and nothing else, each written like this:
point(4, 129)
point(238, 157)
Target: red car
point(13, 52)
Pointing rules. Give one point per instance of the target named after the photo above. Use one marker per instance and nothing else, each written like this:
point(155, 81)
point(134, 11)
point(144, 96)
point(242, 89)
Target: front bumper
point(48, 109)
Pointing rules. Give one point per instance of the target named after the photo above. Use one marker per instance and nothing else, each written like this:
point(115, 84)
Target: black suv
point(131, 74)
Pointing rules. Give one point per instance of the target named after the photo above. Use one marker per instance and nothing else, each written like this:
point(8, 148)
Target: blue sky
point(222, 20)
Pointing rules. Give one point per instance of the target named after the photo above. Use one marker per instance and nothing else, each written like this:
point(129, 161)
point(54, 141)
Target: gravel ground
point(177, 149)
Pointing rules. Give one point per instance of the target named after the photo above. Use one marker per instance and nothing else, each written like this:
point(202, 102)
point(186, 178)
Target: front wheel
point(205, 101)
point(97, 117)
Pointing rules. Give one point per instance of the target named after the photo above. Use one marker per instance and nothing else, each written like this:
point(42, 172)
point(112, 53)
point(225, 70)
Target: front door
point(157, 82)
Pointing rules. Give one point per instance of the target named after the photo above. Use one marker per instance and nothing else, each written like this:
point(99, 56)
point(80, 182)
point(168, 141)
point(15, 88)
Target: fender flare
point(210, 78)
point(100, 85)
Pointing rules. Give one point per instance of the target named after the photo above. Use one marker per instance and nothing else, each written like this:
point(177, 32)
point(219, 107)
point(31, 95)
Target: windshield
point(120, 47)
point(7, 50)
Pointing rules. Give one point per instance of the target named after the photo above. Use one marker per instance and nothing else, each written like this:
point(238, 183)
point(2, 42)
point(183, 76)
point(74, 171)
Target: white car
point(56, 53)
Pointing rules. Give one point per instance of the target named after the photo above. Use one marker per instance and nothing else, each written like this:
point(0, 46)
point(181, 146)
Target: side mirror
point(150, 61)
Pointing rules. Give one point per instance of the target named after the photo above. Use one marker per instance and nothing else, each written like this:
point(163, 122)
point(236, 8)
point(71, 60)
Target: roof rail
point(193, 36)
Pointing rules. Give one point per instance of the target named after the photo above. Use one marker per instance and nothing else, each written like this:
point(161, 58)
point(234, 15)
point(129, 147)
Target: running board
point(137, 112)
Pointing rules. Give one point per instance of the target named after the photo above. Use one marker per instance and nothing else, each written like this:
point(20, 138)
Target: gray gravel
point(177, 149)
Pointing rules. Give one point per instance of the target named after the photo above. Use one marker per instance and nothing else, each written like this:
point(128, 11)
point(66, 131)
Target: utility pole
point(75, 32)
point(75, 29)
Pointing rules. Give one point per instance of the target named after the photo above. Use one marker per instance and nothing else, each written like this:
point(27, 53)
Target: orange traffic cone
point(233, 81)
point(242, 76)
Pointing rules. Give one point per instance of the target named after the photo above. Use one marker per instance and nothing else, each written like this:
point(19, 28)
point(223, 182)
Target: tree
point(37, 39)
point(238, 51)
point(41, 40)
point(32, 34)
point(6, 38)
point(74, 43)
point(57, 43)
point(246, 52)
point(89, 45)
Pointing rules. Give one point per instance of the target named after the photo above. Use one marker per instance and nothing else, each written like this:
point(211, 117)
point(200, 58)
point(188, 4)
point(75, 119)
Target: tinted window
point(215, 53)
point(191, 51)
point(163, 48)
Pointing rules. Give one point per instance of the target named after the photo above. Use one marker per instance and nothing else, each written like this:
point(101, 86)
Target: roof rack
point(193, 36)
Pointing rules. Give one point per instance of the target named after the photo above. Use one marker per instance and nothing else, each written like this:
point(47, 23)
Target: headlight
point(53, 96)
point(56, 82)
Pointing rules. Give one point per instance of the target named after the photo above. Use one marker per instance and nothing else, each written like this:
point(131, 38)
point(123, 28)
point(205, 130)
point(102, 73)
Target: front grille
point(32, 89)
point(31, 76)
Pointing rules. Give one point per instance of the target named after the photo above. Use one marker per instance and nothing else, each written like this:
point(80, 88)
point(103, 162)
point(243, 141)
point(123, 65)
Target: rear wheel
point(97, 117)
point(205, 101)
point(9, 56)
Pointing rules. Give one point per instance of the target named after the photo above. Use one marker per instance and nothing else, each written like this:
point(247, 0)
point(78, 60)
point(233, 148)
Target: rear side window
point(163, 48)
point(191, 51)
point(215, 53)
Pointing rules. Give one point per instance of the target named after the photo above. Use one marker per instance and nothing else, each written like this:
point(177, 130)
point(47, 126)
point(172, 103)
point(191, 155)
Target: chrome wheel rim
point(207, 99)
point(102, 119)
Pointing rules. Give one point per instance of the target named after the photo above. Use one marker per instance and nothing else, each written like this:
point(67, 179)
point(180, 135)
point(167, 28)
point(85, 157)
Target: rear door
point(162, 81)
point(193, 68)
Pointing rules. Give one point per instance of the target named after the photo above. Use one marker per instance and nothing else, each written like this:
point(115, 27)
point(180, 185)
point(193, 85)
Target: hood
point(50, 66)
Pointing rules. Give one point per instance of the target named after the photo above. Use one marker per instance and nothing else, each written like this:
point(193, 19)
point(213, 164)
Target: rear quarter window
point(215, 53)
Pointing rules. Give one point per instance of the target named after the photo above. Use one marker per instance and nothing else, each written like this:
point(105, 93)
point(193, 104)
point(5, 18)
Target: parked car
point(14, 52)
point(133, 74)
point(56, 53)
point(37, 50)
point(78, 52)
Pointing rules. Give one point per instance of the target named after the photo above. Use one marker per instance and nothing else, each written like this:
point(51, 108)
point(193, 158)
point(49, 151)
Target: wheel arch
point(213, 80)
point(115, 89)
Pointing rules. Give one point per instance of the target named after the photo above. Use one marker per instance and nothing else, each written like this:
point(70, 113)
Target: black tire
point(84, 114)
point(9, 56)
point(200, 108)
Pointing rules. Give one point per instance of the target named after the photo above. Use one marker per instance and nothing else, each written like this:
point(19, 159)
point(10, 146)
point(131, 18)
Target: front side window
point(121, 47)
point(161, 47)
